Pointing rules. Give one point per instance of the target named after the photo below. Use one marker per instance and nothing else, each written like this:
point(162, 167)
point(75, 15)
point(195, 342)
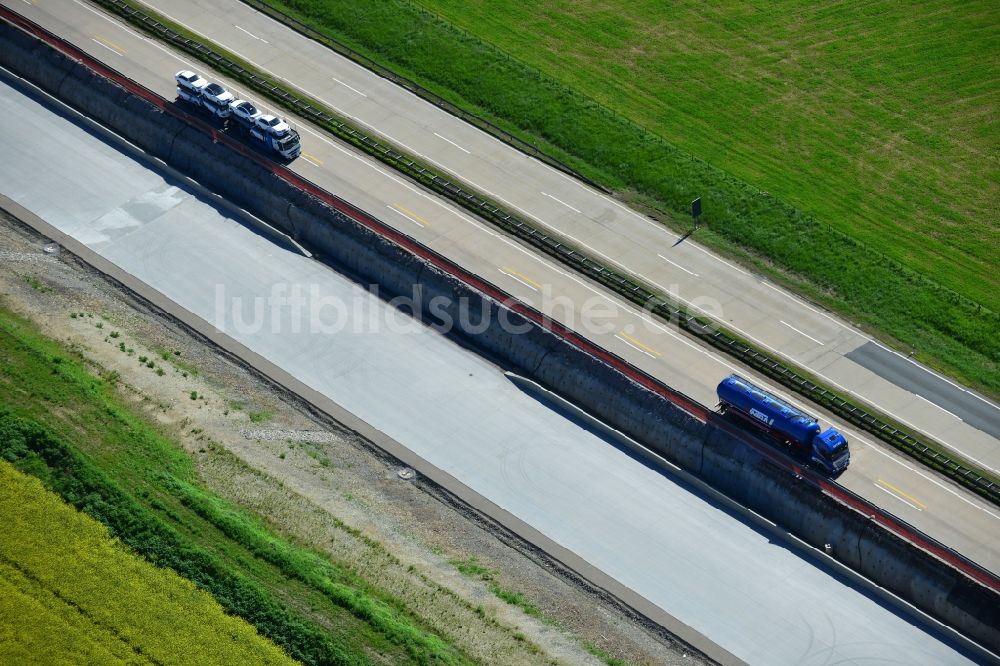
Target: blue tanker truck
point(784, 423)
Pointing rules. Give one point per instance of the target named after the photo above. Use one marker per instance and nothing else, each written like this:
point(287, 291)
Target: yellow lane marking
point(902, 494)
point(523, 279)
point(107, 43)
point(313, 159)
point(411, 216)
point(635, 344)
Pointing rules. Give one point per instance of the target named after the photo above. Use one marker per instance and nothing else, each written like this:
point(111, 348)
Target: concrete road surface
point(753, 596)
point(752, 306)
point(931, 503)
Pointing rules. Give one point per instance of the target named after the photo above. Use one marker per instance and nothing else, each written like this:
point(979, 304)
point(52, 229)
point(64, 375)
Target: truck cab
point(287, 146)
point(830, 451)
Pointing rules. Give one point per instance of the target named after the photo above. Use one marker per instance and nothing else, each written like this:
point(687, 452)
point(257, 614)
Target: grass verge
point(73, 593)
point(70, 429)
point(926, 298)
point(932, 455)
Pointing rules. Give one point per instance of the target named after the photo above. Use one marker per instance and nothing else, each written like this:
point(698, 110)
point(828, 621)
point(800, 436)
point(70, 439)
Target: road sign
point(696, 208)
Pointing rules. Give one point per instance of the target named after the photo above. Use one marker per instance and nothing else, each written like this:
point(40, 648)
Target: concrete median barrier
point(522, 341)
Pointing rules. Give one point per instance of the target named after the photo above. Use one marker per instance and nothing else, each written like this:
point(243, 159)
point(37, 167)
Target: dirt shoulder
point(323, 485)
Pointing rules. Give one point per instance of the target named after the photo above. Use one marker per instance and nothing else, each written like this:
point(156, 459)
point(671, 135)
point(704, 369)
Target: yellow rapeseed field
point(69, 593)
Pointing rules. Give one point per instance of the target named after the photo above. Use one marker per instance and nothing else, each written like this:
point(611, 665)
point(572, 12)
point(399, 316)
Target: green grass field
point(70, 592)
point(880, 118)
point(872, 127)
point(71, 430)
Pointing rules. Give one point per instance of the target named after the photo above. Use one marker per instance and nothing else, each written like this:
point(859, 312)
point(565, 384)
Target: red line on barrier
point(415, 247)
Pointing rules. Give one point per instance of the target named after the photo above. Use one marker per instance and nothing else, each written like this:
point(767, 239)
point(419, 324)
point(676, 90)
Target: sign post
point(696, 211)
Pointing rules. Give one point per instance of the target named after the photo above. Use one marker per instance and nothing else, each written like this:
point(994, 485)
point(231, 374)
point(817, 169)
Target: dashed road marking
point(109, 45)
point(677, 265)
point(562, 202)
point(636, 345)
point(801, 333)
point(444, 138)
point(411, 216)
point(523, 279)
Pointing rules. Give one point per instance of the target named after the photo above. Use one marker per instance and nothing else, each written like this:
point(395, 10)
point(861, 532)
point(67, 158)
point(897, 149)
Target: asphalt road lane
point(938, 391)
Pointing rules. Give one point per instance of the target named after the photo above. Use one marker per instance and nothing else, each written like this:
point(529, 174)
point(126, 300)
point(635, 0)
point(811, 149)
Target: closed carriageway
point(930, 503)
point(651, 534)
point(829, 347)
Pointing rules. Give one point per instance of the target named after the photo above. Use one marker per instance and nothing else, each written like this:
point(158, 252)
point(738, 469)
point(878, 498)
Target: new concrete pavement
point(752, 595)
point(830, 348)
point(930, 503)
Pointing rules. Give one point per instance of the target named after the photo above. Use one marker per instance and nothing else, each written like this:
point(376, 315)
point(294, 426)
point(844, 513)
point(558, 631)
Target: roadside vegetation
point(72, 593)
point(70, 429)
point(831, 154)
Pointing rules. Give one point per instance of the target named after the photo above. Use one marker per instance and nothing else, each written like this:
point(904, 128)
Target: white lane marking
point(260, 39)
point(919, 473)
point(136, 35)
point(562, 202)
point(638, 349)
point(629, 211)
point(348, 86)
point(812, 309)
point(481, 227)
point(583, 244)
point(370, 165)
point(100, 43)
point(444, 138)
point(800, 332)
point(399, 212)
point(695, 347)
point(886, 490)
point(677, 265)
point(948, 446)
point(941, 377)
point(701, 249)
point(517, 279)
point(311, 161)
point(939, 407)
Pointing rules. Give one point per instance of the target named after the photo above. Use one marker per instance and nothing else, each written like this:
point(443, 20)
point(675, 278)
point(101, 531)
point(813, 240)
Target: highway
point(674, 547)
point(930, 503)
point(830, 348)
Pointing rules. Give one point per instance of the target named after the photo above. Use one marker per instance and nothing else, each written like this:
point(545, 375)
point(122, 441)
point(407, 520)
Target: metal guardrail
point(567, 254)
point(516, 142)
point(888, 520)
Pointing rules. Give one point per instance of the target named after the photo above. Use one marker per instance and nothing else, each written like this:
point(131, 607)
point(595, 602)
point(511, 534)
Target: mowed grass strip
point(69, 593)
point(849, 151)
point(72, 430)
